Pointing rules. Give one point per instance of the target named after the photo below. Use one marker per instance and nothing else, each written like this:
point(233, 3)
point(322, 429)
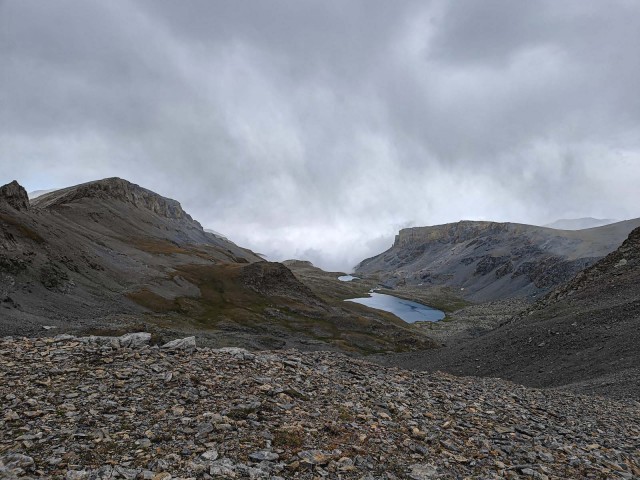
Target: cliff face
point(448, 233)
point(489, 260)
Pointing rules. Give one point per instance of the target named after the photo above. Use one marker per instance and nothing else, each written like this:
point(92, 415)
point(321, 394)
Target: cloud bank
point(317, 129)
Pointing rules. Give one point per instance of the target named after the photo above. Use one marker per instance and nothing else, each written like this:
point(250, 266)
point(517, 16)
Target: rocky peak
point(15, 195)
point(116, 189)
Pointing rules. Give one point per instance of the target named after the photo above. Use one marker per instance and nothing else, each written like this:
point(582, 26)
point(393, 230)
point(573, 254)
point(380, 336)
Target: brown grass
point(154, 302)
point(225, 303)
point(24, 230)
point(288, 438)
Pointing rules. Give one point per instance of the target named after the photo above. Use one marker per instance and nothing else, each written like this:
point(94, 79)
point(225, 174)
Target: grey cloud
point(319, 128)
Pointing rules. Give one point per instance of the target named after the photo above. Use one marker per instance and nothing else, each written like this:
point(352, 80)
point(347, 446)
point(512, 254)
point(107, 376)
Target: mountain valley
point(135, 344)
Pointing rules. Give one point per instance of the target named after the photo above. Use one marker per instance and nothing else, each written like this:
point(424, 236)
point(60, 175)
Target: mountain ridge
point(491, 260)
point(117, 189)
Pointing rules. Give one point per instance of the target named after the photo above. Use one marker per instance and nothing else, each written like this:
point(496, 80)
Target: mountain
point(110, 256)
point(584, 335)
point(579, 223)
point(488, 261)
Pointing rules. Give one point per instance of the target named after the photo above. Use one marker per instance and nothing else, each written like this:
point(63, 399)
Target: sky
point(317, 129)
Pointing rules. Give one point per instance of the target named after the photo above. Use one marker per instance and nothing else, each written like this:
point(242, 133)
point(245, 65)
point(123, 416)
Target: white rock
point(187, 344)
point(237, 352)
point(423, 471)
point(135, 340)
point(63, 337)
point(76, 475)
point(210, 455)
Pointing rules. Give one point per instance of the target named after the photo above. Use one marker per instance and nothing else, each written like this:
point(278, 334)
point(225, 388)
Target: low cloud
point(317, 129)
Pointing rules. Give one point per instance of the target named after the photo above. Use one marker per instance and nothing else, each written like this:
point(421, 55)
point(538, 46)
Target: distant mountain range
point(580, 223)
point(488, 260)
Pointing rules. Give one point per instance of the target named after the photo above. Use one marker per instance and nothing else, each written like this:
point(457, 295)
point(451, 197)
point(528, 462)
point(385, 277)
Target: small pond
point(407, 310)
point(347, 278)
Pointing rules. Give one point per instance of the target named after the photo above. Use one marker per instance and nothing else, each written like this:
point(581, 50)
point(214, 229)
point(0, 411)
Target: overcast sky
point(317, 129)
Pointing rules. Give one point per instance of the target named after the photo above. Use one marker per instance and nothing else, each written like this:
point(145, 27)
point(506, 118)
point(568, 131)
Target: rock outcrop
point(273, 278)
point(14, 195)
point(187, 344)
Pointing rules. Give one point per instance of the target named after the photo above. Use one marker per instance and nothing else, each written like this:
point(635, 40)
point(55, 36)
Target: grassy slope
point(227, 305)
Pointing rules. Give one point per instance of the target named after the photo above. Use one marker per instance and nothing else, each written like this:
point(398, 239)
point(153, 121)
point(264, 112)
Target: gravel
point(77, 409)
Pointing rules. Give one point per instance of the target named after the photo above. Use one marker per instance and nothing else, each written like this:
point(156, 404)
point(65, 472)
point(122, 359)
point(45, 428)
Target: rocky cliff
point(489, 260)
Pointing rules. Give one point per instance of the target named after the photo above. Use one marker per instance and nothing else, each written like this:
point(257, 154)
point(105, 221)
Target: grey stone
point(135, 340)
point(186, 344)
point(18, 460)
point(263, 455)
point(76, 475)
point(422, 471)
point(210, 455)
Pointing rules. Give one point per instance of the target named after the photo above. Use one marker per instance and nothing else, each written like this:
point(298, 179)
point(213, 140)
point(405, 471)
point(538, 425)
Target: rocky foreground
point(99, 407)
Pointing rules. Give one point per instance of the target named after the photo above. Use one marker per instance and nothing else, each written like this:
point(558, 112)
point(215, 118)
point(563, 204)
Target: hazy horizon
point(316, 130)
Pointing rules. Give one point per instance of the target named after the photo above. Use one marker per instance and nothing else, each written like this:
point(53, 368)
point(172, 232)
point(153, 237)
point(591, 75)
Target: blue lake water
point(347, 278)
point(405, 309)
